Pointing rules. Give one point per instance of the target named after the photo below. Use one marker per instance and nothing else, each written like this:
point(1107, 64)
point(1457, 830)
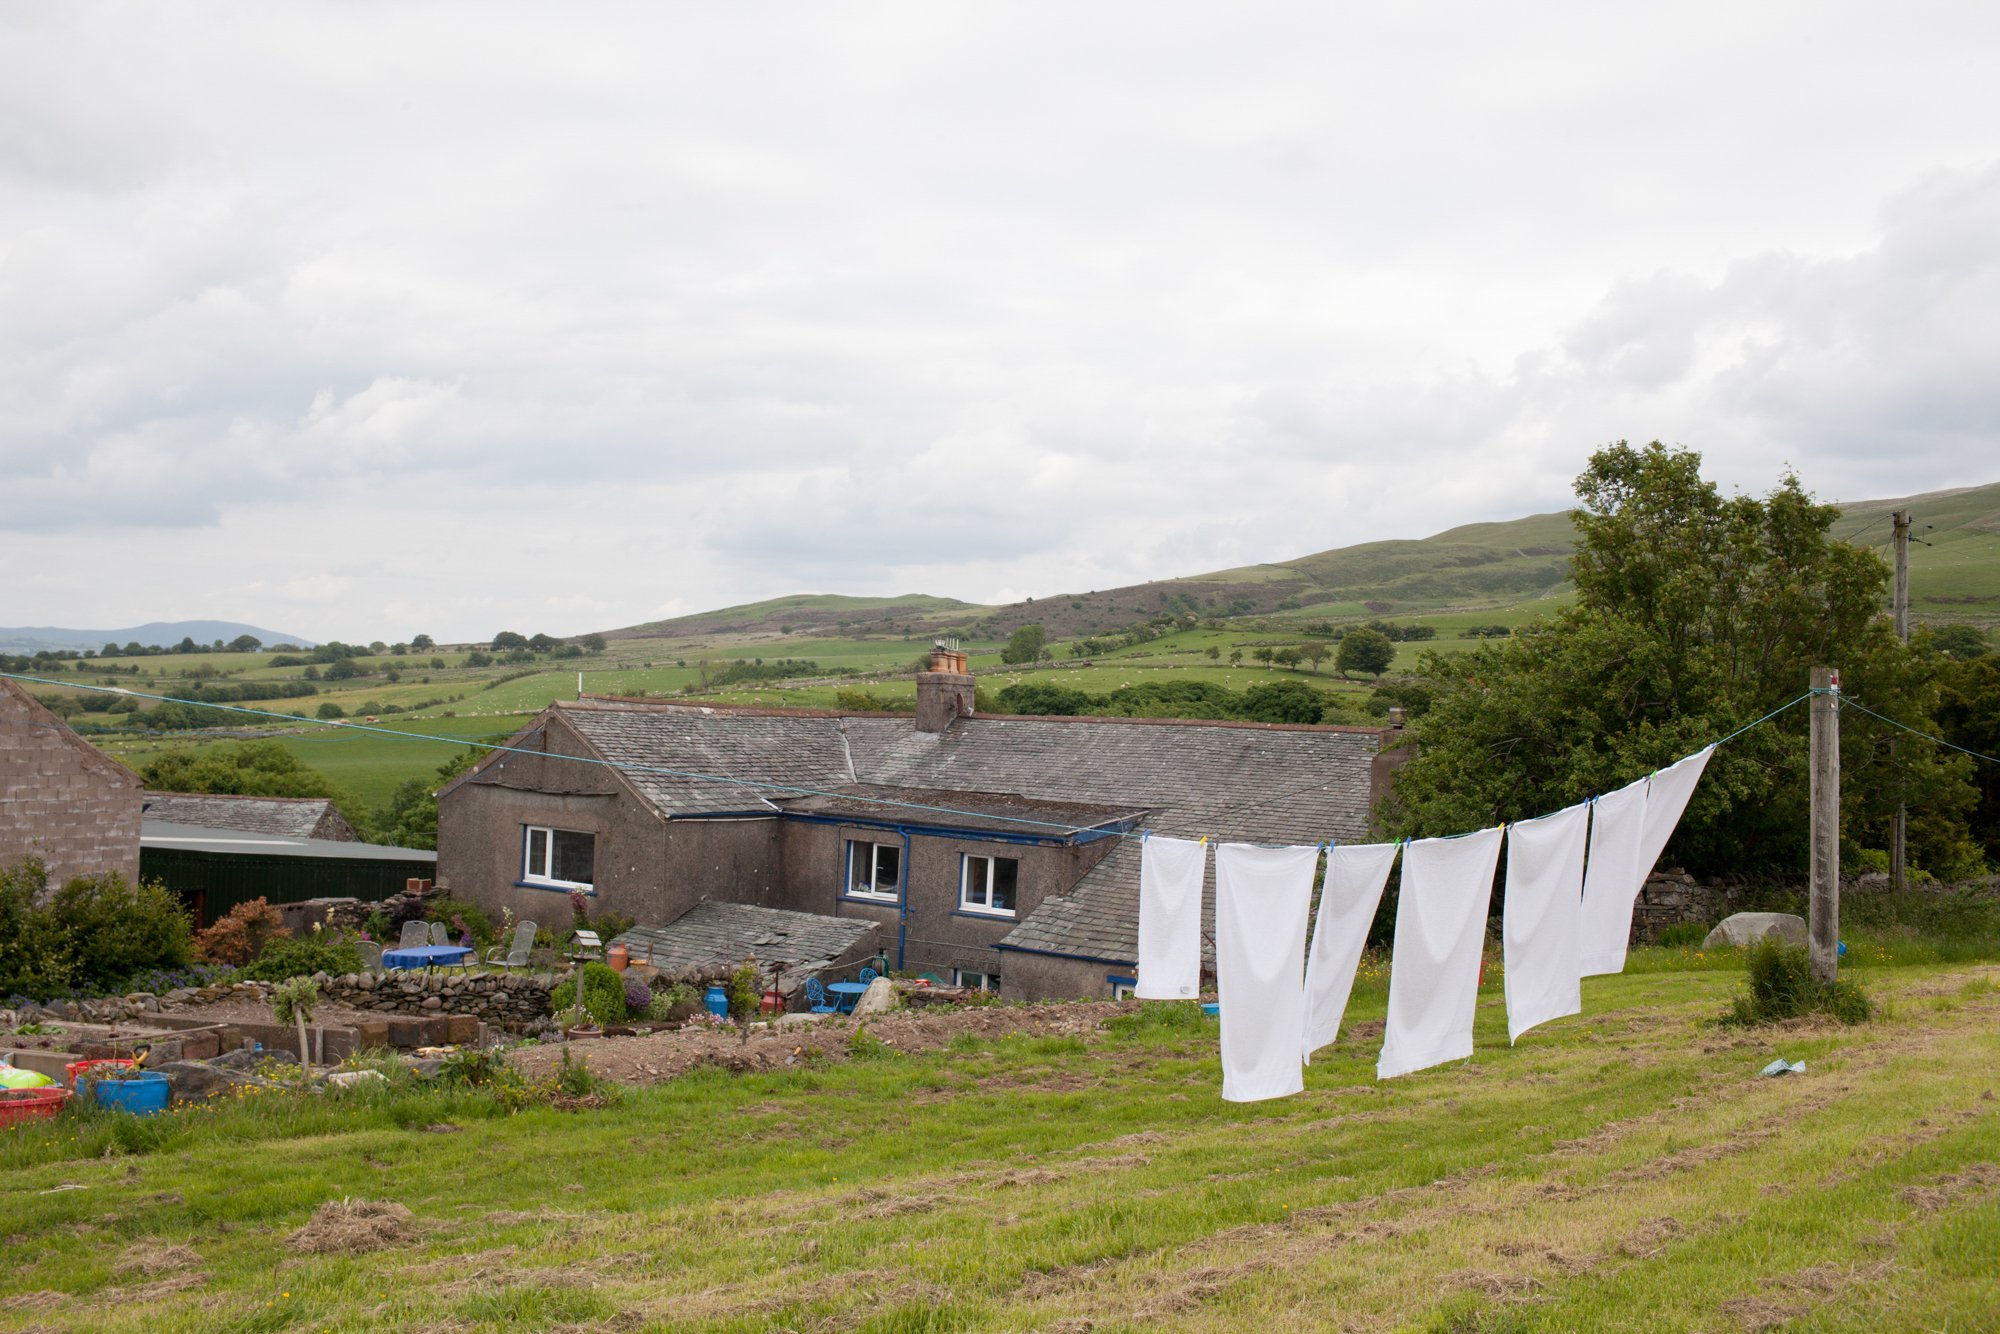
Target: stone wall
point(1672, 897)
point(514, 1001)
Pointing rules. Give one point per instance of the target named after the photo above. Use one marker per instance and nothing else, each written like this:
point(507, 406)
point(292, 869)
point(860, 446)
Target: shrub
point(638, 996)
point(744, 992)
point(1682, 935)
point(241, 935)
point(1782, 986)
point(301, 956)
point(675, 1002)
point(603, 994)
point(89, 936)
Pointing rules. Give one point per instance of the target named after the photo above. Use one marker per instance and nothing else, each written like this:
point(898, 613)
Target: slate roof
point(1231, 781)
point(289, 817)
point(711, 936)
point(1001, 812)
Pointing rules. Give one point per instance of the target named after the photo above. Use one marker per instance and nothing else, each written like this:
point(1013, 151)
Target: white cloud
point(364, 321)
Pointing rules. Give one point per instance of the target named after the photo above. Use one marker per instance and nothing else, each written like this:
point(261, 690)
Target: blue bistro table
point(845, 994)
point(424, 956)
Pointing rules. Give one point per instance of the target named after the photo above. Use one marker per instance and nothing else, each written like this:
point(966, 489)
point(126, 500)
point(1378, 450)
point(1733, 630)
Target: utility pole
point(1899, 826)
point(1823, 926)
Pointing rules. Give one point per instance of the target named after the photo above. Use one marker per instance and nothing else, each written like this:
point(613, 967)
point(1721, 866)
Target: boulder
point(1745, 929)
point(880, 996)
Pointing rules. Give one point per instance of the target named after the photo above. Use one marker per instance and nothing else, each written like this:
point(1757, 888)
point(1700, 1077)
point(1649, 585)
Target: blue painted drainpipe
point(903, 909)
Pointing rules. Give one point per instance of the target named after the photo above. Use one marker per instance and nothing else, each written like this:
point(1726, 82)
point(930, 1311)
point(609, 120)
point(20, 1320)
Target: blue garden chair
point(867, 975)
point(816, 998)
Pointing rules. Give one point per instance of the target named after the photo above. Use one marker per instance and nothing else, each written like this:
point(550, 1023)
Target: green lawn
point(1622, 1170)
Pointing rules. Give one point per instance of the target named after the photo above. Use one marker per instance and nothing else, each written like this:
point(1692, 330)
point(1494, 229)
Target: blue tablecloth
point(844, 994)
point(424, 956)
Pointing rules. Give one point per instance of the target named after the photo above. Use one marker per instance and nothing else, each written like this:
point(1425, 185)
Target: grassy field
point(1626, 1169)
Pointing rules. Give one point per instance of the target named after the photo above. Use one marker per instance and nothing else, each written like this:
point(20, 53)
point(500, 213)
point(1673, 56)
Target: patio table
point(424, 956)
point(845, 995)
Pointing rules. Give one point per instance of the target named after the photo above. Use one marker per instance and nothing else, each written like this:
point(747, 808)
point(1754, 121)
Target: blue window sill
point(586, 890)
point(976, 915)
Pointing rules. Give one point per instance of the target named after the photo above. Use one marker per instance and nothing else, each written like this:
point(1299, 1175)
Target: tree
point(1364, 650)
point(423, 643)
point(1025, 644)
point(1963, 642)
point(1695, 614)
point(1285, 657)
point(509, 639)
point(245, 644)
point(410, 819)
point(1284, 702)
point(1213, 652)
point(595, 642)
point(1262, 655)
point(1314, 652)
point(1236, 657)
point(542, 643)
point(330, 710)
point(1043, 698)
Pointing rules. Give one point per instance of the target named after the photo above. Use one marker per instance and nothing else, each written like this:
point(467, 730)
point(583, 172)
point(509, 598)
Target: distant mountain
point(34, 638)
point(1480, 565)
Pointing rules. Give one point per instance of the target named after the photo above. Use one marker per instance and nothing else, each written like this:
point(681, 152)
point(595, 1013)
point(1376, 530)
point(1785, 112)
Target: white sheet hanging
point(1347, 903)
point(1261, 901)
point(1170, 875)
point(1611, 877)
point(1434, 976)
point(1645, 827)
point(1542, 919)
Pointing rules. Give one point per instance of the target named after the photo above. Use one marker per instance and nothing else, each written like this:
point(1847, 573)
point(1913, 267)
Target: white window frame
point(983, 907)
point(988, 981)
point(530, 875)
point(873, 889)
point(1122, 988)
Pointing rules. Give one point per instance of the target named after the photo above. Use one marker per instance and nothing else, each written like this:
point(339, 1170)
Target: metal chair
point(414, 935)
point(441, 934)
point(867, 975)
point(515, 955)
point(816, 998)
point(371, 955)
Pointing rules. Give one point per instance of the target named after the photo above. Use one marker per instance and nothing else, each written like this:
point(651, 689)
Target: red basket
point(80, 1069)
point(19, 1105)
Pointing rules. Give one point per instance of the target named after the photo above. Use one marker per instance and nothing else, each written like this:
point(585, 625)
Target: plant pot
point(142, 1094)
point(18, 1105)
point(77, 1070)
point(583, 1031)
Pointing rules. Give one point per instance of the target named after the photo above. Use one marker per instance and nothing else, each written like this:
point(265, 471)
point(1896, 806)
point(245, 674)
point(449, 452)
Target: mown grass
point(1622, 1169)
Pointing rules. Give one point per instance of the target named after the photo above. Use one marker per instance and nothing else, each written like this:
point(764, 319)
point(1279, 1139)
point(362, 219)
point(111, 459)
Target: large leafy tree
point(1695, 614)
point(251, 769)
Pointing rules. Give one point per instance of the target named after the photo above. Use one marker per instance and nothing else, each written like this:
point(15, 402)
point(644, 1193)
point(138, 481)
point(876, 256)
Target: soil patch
point(347, 1227)
point(148, 1257)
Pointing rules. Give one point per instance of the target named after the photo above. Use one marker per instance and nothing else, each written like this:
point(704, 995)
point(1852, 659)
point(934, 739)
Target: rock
point(1745, 929)
point(880, 997)
point(798, 1020)
point(194, 1079)
point(243, 1058)
point(433, 1003)
point(342, 1079)
point(366, 982)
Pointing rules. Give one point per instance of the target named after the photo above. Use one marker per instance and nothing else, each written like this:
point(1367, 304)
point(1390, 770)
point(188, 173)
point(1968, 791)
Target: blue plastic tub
point(142, 1095)
point(1213, 1009)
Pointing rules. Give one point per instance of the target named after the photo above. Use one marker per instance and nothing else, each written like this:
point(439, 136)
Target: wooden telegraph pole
point(1899, 825)
point(1824, 925)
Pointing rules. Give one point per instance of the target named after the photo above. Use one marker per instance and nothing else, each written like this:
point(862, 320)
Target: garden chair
point(371, 955)
point(441, 934)
point(515, 955)
point(415, 934)
point(867, 975)
point(816, 998)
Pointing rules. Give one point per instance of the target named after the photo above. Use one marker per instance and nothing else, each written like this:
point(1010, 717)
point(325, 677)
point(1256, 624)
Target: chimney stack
point(944, 692)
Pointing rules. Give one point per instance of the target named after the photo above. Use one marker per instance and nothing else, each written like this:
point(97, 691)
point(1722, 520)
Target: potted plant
point(577, 1023)
point(131, 1087)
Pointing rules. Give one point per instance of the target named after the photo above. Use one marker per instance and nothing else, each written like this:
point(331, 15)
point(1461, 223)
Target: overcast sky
point(358, 320)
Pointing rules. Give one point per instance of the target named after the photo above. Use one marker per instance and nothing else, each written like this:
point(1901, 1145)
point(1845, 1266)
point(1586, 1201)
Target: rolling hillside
point(1495, 567)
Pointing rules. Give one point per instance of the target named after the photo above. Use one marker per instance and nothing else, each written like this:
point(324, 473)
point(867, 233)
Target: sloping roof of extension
point(712, 936)
point(291, 817)
point(993, 812)
point(1247, 782)
point(199, 838)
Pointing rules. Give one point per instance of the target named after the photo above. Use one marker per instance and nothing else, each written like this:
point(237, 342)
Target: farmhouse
point(993, 850)
point(61, 798)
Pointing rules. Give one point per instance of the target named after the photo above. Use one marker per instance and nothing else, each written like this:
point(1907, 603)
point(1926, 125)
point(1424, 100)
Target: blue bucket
point(717, 1001)
point(142, 1095)
point(1213, 1009)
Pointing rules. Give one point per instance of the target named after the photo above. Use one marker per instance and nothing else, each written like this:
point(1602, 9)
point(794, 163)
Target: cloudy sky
point(363, 319)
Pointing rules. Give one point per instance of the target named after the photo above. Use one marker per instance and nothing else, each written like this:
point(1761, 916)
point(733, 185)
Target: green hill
point(811, 612)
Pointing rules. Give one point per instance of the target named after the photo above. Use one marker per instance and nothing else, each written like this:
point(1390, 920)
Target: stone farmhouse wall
point(62, 799)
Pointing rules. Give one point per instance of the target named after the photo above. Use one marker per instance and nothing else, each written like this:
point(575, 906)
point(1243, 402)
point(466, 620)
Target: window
point(564, 857)
point(874, 870)
point(961, 977)
point(1121, 987)
point(987, 885)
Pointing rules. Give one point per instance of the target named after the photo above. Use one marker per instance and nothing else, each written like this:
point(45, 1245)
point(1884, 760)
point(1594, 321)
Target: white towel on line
point(1542, 918)
point(1610, 878)
point(1170, 876)
point(1261, 900)
point(1642, 828)
point(1434, 975)
point(1347, 903)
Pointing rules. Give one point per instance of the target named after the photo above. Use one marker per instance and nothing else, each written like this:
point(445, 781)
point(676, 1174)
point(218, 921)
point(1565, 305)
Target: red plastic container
point(19, 1105)
point(81, 1069)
